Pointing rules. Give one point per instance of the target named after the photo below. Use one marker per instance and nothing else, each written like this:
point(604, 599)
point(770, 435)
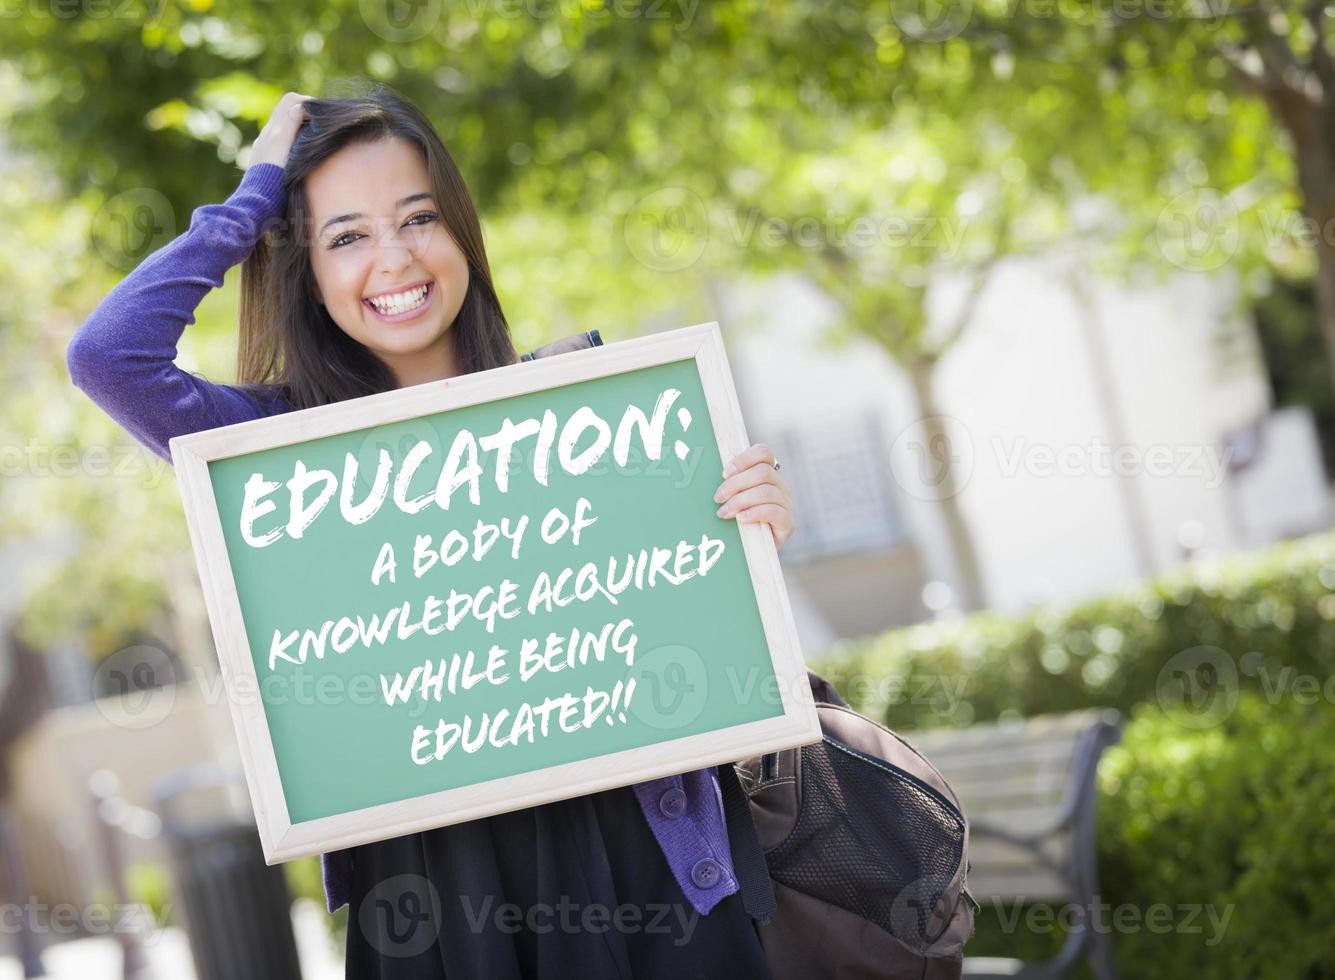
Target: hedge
point(1216, 811)
point(1268, 618)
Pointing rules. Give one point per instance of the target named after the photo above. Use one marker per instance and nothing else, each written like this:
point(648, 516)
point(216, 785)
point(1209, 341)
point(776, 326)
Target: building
point(1101, 432)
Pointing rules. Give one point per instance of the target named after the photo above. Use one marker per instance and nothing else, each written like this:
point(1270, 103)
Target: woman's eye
point(340, 240)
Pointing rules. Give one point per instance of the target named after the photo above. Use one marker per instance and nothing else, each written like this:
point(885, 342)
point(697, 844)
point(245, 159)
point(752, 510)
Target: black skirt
point(577, 888)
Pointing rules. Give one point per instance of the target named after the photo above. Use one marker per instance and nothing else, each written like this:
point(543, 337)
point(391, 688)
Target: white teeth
point(400, 302)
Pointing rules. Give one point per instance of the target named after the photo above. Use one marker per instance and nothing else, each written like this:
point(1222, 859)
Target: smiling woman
point(376, 276)
point(352, 211)
point(387, 271)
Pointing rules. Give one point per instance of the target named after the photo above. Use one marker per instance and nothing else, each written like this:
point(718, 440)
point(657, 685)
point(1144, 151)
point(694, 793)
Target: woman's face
point(378, 236)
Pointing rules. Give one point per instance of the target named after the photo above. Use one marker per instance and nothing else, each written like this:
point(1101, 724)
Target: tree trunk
point(1129, 490)
point(1325, 287)
point(1311, 126)
point(968, 584)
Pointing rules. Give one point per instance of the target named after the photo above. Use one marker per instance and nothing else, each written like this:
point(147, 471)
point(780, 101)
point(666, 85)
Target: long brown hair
point(289, 345)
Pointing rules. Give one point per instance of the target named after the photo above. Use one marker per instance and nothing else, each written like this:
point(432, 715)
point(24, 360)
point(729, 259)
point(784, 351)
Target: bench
point(1029, 795)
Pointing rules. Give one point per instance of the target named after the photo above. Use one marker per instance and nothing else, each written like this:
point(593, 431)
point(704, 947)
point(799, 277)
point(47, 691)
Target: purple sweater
point(124, 357)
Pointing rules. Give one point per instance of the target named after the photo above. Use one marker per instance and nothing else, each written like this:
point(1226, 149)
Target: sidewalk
point(168, 952)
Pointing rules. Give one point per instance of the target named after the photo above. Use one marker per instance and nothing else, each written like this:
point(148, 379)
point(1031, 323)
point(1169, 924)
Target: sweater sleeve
point(124, 355)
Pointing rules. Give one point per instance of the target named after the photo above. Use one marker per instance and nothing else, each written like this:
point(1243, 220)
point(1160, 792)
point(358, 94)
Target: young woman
point(364, 272)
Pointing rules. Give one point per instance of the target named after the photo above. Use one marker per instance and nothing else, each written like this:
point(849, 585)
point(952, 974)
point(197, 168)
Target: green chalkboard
point(436, 626)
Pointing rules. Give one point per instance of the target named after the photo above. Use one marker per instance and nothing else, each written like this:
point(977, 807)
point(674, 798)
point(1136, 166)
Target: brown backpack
point(851, 854)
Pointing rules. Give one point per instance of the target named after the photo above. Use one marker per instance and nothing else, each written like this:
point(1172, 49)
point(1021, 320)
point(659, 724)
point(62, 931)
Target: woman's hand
point(276, 138)
point(754, 491)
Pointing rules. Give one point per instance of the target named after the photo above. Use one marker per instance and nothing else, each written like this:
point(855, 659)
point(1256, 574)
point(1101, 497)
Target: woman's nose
point(393, 256)
point(393, 250)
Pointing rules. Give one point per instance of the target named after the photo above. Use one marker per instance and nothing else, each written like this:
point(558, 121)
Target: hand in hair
point(275, 139)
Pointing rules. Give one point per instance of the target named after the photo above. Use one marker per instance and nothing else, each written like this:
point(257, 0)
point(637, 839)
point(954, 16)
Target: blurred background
point(1035, 300)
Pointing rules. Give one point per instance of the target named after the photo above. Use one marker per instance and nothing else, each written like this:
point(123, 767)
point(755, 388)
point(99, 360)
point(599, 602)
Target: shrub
point(1259, 619)
point(1217, 806)
point(1235, 819)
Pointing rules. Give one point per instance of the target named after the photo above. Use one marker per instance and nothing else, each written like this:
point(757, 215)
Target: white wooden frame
point(283, 840)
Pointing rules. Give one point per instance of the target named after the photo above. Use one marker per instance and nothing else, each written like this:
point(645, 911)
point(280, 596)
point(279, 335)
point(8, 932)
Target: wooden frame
point(283, 840)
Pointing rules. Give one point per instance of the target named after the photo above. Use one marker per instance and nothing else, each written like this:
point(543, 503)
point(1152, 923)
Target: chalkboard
point(489, 592)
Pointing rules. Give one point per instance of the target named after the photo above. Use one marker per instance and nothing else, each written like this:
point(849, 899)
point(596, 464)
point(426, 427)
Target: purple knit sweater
point(124, 357)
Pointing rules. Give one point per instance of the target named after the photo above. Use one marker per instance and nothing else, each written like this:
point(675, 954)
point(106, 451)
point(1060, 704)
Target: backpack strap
point(578, 341)
point(748, 858)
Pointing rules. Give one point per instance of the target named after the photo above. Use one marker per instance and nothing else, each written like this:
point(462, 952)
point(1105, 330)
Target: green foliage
point(627, 156)
point(149, 883)
point(1258, 622)
point(1234, 817)
point(1213, 850)
point(1214, 808)
point(1295, 355)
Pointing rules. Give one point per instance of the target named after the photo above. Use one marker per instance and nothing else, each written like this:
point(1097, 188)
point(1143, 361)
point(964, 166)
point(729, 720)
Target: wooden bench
point(1029, 794)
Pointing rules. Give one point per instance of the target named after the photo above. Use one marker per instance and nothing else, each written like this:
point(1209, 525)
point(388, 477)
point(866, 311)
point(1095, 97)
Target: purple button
point(707, 873)
point(672, 803)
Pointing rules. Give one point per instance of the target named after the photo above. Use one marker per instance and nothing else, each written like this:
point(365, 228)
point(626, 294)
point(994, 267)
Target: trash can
point(236, 909)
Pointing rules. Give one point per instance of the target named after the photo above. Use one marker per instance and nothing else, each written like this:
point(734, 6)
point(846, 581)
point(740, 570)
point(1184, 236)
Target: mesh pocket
point(870, 839)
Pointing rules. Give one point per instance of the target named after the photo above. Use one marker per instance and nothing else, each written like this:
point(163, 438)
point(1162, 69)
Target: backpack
point(851, 854)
